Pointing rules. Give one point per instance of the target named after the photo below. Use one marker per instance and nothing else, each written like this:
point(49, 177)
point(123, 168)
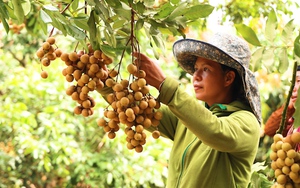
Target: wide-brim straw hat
point(226, 49)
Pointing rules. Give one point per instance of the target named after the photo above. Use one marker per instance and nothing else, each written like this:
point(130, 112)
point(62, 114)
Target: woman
point(273, 122)
point(214, 145)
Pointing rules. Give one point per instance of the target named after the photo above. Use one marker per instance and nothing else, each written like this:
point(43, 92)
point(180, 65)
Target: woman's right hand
point(154, 74)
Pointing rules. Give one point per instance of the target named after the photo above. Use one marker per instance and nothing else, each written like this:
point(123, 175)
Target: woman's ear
point(229, 78)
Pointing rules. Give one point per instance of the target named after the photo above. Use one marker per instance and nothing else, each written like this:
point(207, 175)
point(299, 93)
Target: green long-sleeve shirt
point(212, 148)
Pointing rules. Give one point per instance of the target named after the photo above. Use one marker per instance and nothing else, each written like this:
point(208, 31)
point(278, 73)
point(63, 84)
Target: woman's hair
point(237, 85)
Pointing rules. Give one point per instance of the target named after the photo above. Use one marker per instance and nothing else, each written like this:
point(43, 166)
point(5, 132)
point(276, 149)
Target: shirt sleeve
point(273, 122)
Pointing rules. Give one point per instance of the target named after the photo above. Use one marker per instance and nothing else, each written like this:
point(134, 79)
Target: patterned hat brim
point(186, 52)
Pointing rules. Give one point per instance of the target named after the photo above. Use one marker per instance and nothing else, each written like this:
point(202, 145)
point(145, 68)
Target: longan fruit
point(85, 112)
point(117, 87)
point(130, 133)
point(130, 146)
point(295, 137)
point(124, 101)
point(138, 95)
point(147, 123)
point(58, 52)
point(46, 61)
point(70, 90)
point(73, 56)
point(44, 74)
point(46, 45)
point(101, 122)
point(138, 136)
point(131, 68)
point(40, 53)
point(143, 105)
point(277, 137)
point(111, 135)
point(273, 156)
point(75, 96)
point(84, 58)
point(64, 57)
point(155, 122)
point(51, 40)
point(138, 148)
point(109, 82)
point(94, 68)
point(97, 54)
point(91, 84)
point(85, 78)
point(139, 128)
point(158, 115)
point(295, 167)
point(151, 103)
point(107, 61)
point(286, 170)
point(93, 59)
point(129, 112)
point(112, 124)
point(111, 114)
point(281, 154)
point(291, 153)
point(51, 56)
point(77, 110)
point(124, 83)
point(289, 161)
point(156, 134)
point(140, 74)
point(134, 86)
point(141, 82)
point(86, 104)
point(282, 179)
point(69, 77)
point(286, 146)
point(113, 73)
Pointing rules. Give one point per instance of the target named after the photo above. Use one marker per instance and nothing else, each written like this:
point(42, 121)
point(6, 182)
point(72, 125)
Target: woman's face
point(210, 82)
point(296, 87)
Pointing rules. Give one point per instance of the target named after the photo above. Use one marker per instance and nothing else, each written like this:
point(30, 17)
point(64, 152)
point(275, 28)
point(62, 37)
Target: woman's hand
point(154, 74)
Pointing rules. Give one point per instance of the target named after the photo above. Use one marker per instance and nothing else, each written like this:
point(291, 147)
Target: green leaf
point(139, 24)
point(297, 46)
point(4, 16)
point(178, 11)
point(81, 22)
point(268, 57)
point(118, 24)
point(45, 17)
point(287, 33)
point(18, 11)
point(75, 32)
point(199, 11)
point(75, 4)
point(271, 25)
point(256, 59)
point(283, 60)
point(51, 8)
point(92, 29)
point(164, 11)
point(108, 50)
point(248, 34)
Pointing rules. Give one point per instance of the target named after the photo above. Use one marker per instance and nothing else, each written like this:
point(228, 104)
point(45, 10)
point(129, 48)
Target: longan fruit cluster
point(87, 70)
point(48, 53)
point(132, 105)
point(286, 160)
